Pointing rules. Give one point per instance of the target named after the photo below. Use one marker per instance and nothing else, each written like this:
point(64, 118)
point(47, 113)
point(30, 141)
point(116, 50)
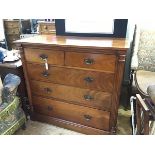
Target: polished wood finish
point(114, 45)
point(78, 114)
point(37, 56)
point(89, 60)
point(85, 79)
point(76, 95)
point(26, 78)
point(82, 78)
point(116, 92)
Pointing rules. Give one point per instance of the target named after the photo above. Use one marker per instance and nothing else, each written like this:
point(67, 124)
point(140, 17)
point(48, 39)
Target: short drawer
point(91, 61)
point(14, 31)
point(78, 114)
point(101, 81)
point(11, 24)
point(47, 28)
point(85, 97)
point(39, 56)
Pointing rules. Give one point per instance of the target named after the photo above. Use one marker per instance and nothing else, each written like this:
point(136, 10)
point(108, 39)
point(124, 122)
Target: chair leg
point(133, 113)
point(24, 126)
point(142, 114)
point(146, 123)
point(138, 114)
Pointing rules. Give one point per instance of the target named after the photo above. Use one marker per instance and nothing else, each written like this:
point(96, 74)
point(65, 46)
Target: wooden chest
point(74, 82)
point(13, 29)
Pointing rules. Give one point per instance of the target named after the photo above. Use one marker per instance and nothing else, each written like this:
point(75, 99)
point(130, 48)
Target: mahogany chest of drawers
point(74, 82)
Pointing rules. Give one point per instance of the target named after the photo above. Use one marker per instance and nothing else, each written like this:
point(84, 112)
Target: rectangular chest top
point(70, 41)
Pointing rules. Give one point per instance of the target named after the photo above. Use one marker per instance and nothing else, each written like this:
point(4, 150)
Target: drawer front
point(39, 56)
point(47, 28)
point(12, 31)
point(78, 114)
point(92, 61)
point(75, 95)
point(11, 24)
point(11, 45)
point(12, 38)
point(73, 77)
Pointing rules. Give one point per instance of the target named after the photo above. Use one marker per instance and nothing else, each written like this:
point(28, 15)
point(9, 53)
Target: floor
point(38, 128)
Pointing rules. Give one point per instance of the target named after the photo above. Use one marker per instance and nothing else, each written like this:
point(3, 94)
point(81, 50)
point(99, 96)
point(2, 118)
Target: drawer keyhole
point(45, 73)
point(49, 108)
point(89, 79)
point(87, 117)
point(88, 61)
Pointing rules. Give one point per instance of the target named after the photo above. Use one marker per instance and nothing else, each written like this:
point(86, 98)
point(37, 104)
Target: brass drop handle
point(47, 90)
point(88, 61)
point(89, 79)
point(43, 56)
point(45, 74)
point(49, 108)
point(88, 117)
point(88, 97)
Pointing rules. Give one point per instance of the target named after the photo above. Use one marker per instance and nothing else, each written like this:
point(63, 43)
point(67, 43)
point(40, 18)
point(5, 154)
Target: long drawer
point(39, 55)
point(86, 97)
point(89, 60)
point(14, 31)
point(13, 37)
point(11, 24)
point(74, 77)
point(78, 114)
